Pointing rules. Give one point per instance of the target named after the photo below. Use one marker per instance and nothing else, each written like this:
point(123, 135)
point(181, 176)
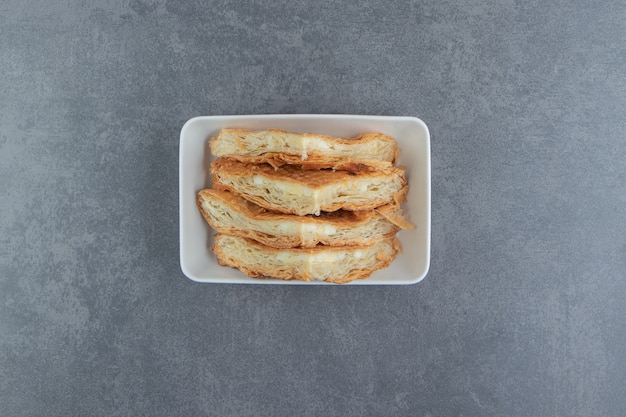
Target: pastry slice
point(230, 213)
point(293, 190)
point(278, 147)
point(336, 264)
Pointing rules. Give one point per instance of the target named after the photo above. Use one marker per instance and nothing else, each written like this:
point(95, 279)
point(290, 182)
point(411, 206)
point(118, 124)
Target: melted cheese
point(327, 257)
point(320, 229)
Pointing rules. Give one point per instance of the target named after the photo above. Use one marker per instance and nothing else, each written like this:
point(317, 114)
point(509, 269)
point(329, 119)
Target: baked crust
point(277, 147)
point(314, 162)
point(293, 190)
point(343, 265)
point(230, 213)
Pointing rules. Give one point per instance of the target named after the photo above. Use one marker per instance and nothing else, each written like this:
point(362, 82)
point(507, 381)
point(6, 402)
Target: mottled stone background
point(523, 312)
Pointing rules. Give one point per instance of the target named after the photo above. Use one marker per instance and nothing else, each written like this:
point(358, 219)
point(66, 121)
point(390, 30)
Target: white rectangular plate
point(196, 237)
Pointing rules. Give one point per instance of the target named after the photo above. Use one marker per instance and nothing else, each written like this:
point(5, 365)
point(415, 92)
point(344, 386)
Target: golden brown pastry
point(290, 189)
point(313, 151)
point(229, 213)
point(336, 264)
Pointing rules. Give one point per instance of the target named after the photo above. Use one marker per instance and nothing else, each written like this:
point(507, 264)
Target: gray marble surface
point(523, 312)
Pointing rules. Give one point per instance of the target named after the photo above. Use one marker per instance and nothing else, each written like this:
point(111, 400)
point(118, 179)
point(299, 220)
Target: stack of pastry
point(304, 206)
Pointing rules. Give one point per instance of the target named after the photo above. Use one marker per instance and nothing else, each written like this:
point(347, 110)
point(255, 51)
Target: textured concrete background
point(522, 314)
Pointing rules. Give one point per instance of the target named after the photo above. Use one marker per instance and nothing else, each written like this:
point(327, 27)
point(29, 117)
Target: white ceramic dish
point(196, 258)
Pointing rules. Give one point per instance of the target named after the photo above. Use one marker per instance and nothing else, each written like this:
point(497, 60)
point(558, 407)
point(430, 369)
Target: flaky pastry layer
point(290, 189)
point(304, 148)
point(230, 213)
point(323, 263)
